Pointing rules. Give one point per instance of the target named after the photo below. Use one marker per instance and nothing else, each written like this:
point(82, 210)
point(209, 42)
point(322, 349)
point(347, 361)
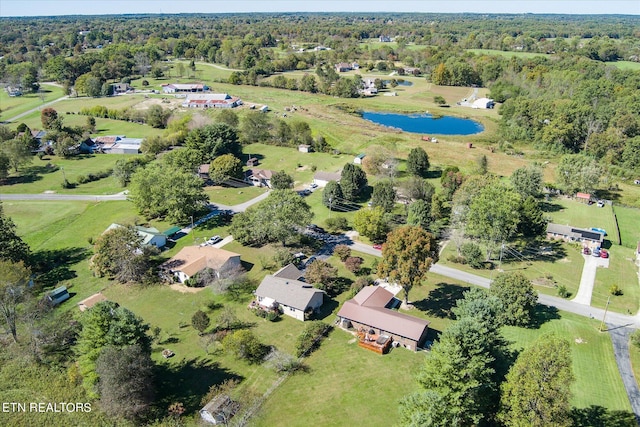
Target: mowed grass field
point(16, 105)
point(629, 225)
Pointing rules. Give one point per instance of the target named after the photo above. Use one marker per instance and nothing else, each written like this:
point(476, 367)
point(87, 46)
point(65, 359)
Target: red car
point(586, 251)
point(604, 254)
point(377, 246)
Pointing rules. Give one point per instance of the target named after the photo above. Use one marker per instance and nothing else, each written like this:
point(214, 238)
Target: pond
point(425, 123)
point(400, 82)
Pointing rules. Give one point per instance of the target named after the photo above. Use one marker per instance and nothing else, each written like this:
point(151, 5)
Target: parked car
point(214, 240)
point(313, 185)
point(586, 251)
point(600, 204)
point(604, 254)
point(595, 252)
point(377, 246)
point(599, 230)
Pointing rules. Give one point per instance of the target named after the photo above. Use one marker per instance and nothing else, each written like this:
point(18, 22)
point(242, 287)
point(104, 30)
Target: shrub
point(82, 179)
point(615, 290)
point(472, 254)
point(342, 251)
point(311, 337)
point(563, 292)
point(337, 224)
point(353, 264)
point(635, 338)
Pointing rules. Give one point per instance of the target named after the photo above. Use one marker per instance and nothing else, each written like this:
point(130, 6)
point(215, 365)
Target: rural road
point(21, 115)
point(620, 340)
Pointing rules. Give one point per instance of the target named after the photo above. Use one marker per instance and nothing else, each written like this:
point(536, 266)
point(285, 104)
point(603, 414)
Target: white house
point(321, 179)
point(193, 259)
point(183, 87)
point(358, 159)
point(259, 177)
point(292, 296)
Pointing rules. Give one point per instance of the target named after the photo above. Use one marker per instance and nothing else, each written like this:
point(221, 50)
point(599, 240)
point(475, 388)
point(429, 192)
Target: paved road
point(38, 108)
point(620, 340)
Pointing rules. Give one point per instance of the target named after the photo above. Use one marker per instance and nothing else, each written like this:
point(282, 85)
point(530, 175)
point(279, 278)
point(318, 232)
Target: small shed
point(583, 197)
point(304, 148)
point(170, 232)
point(58, 295)
point(219, 410)
point(358, 159)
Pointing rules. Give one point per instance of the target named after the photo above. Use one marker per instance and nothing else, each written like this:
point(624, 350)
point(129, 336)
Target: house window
point(292, 309)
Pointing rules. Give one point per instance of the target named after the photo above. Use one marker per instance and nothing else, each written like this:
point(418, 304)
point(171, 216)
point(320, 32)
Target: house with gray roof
point(292, 296)
point(371, 311)
point(321, 179)
point(289, 271)
point(590, 238)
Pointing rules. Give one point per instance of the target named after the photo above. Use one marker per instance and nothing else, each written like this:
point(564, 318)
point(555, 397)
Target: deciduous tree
point(14, 277)
point(125, 381)
point(419, 214)
point(214, 140)
point(407, 256)
point(528, 180)
point(224, 167)
point(281, 181)
point(537, 390)
point(371, 223)
point(120, 253)
point(518, 297)
point(12, 248)
point(494, 214)
point(107, 324)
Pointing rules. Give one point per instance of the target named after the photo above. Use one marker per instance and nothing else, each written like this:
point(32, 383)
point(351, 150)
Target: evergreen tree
point(353, 181)
point(384, 195)
point(12, 247)
point(418, 162)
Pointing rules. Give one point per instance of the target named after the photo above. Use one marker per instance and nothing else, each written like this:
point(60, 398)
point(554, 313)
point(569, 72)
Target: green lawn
point(634, 354)
point(569, 212)
point(598, 381)
point(628, 219)
point(232, 196)
point(13, 106)
point(506, 54)
point(621, 272)
point(37, 177)
point(626, 65)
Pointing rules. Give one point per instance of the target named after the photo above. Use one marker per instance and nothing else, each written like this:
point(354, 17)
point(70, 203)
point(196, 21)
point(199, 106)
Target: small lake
point(400, 82)
point(425, 123)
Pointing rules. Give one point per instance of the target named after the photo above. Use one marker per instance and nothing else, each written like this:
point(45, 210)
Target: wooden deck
point(370, 342)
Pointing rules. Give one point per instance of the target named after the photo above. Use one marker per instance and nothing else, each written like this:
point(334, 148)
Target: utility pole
point(330, 205)
point(193, 234)
point(605, 313)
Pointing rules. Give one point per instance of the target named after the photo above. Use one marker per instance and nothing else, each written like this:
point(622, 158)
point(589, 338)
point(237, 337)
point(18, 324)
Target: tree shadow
point(543, 314)
point(187, 381)
point(441, 300)
point(548, 207)
point(54, 265)
point(433, 174)
point(597, 416)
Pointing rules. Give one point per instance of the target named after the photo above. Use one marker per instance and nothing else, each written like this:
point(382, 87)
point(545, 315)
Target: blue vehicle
point(599, 230)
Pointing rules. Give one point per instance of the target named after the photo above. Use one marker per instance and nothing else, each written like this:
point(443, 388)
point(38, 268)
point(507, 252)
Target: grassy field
point(15, 105)
point(626, 65)
point(506, 54)
point(628, 219)
point(38, 177)
point(569, 212)
point(634, 354)
point(598, 381)
point(622, 272)
point(232, 196)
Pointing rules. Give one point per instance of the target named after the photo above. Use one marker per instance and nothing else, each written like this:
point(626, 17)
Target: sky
point(112, 7)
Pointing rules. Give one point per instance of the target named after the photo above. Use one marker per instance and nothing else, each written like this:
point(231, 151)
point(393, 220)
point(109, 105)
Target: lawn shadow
point(187, 381)
point(543, 314)
point(598, 416)
point(327, 308)
point(246, 265)
point(441, 300)
point(54, 265)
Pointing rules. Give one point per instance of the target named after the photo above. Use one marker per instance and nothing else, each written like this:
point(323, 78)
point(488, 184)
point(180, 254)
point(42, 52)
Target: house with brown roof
point(193, 259)
point(293, 297)
point(259, 177)
point(371, 311)
point(212, 100)
point(321, 179)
